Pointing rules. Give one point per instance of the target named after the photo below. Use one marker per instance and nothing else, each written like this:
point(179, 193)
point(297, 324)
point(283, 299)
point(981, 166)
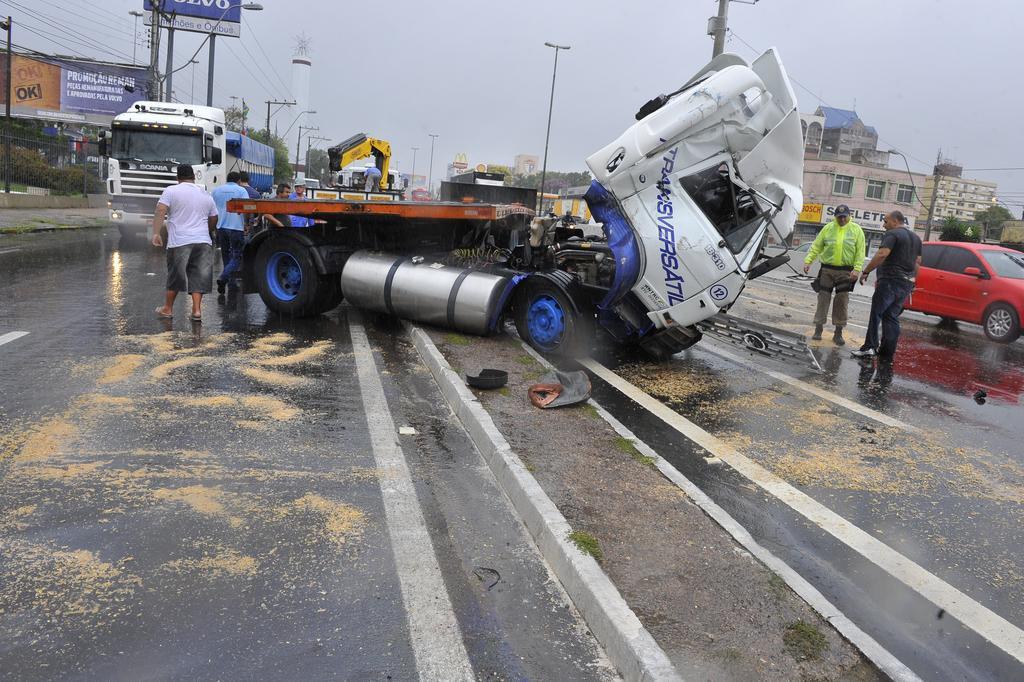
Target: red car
point(977, 283)
point(420, 194)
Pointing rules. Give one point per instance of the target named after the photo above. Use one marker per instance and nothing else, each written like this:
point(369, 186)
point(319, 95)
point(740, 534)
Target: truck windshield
point(733, 211)
point(1005, 264)
point(150, 145)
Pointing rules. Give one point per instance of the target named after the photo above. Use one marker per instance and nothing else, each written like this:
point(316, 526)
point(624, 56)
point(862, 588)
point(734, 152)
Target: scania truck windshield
point(148, 144)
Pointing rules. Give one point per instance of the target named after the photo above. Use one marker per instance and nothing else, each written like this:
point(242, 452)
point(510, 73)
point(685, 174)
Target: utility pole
point(309, 145)
point(547, 137)
point(430, 180)
point(412, 176)
point(717, 27)
point(168, 94)
point(154, 52)
point(935, 193)
point(7, 111)
point(269, 102)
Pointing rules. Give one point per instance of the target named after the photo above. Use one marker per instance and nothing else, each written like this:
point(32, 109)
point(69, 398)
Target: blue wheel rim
point(284, 276)
point(545, 320)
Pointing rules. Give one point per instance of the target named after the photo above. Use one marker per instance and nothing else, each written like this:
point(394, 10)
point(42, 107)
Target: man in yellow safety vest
point(840, 247)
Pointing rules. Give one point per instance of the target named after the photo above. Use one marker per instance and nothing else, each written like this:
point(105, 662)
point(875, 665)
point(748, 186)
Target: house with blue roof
point(843, 133)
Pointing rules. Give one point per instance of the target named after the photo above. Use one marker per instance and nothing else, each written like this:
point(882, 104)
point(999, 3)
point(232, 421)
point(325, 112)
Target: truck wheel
point(287, 279)
point(1001, 323)
point(547, 320)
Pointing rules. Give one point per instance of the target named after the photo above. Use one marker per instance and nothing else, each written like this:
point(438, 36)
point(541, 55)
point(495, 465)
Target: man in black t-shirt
point(897, 262)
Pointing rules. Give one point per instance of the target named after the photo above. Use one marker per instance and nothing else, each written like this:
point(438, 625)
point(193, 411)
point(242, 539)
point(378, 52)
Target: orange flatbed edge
point(402, 209)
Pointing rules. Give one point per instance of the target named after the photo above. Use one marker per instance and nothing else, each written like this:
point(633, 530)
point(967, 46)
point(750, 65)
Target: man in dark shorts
point(191, 216)
point(897, 262)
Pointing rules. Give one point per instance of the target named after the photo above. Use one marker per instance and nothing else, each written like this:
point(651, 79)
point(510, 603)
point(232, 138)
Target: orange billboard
point(34, 84)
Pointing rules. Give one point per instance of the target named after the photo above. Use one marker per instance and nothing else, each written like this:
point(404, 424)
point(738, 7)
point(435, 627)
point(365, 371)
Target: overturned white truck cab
point(689, 194)
point(685, 200)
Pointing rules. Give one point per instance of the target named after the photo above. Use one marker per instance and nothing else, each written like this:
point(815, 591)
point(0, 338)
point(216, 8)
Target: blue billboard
point(226, 10)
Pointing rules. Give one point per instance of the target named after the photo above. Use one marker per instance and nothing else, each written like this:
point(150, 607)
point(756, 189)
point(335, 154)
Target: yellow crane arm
point(360, 147)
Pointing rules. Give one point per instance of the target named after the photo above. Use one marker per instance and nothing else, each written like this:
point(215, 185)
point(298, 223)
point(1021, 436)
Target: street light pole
point(135, 33)
point(269, 102)
point(298, 144)
point(154, 52)
point(430, 181)
point(212, 37)
point(412, 176)
point(547, 137)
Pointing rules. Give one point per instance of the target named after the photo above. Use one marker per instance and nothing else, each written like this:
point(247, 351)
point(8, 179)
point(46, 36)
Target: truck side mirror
point(102, 140)
point(973, 272)
point(216, 156)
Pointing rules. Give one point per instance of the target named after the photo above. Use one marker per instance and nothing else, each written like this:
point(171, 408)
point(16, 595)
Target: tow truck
point(684, 200)
point(349, 181)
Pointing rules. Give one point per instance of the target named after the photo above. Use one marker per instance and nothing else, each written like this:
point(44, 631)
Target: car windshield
point(149, 145)
point(1006, 264)
point(733, 211)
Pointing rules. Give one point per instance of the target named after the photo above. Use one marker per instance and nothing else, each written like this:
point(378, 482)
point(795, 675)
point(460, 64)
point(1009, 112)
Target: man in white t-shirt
point(191, 216)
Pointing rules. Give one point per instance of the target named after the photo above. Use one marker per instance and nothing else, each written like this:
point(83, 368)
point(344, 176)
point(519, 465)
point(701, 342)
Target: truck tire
point(547, 318)
point(332, 296)
point(287, 279)
point(1001, 323)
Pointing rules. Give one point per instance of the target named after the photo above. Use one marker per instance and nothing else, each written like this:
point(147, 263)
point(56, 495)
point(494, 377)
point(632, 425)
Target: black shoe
point(864, 353)
point(837, 338)
point(220, 286)
point(817, 333)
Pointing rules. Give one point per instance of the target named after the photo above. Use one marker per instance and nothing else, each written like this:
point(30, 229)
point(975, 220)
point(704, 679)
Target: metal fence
point(49, 165)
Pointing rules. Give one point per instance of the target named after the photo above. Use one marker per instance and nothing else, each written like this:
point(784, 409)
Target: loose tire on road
point(288, 281)
point(546, 318)
point(1001, 323)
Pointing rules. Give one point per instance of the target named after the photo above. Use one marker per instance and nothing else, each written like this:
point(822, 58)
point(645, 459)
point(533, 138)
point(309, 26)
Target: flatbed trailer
point(685, 200)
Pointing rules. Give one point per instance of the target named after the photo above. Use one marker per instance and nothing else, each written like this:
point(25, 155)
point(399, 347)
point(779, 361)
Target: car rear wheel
point(1001, 323)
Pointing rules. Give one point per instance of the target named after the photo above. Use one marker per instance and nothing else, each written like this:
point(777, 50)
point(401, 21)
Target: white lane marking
point(878, 654)
point(814, 390)
point(10, 250)
point(993, 627)
point(11, 336)
point(433, 628)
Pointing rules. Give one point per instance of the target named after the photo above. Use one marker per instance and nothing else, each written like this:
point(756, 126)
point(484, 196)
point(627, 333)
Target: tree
point(991, 221)
point(282, 161)
point(554, 181)
point(499, 168)
point(318, 164)
point(233, 119)
point(954, 230)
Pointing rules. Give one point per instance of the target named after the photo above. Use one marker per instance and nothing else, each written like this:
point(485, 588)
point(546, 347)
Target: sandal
point(162, 315)
point(195, 318)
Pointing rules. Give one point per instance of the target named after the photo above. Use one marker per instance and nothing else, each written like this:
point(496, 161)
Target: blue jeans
point(231, 243)
point(886, 308)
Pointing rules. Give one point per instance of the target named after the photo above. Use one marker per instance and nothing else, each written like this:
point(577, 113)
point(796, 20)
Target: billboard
point(69, 90)
point(222, 17)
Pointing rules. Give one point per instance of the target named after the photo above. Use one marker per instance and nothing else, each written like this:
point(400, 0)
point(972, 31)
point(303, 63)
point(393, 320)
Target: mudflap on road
point(759, 338)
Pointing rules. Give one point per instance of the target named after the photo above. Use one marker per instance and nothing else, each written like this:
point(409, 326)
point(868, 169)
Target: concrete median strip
point(874, 651)
point(629, 646)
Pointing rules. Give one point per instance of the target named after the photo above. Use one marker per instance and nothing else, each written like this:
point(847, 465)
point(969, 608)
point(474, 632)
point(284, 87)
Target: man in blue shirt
point(372, 175)
point(300, 195)
point(230, 229)
point(243, 180)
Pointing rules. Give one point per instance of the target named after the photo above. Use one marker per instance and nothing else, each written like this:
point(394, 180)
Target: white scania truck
point(685, 200)
point(146, 143)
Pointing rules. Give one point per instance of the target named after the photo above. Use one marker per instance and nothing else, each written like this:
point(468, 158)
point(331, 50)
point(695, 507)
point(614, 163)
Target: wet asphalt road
point(949, 497)
point(181, 501)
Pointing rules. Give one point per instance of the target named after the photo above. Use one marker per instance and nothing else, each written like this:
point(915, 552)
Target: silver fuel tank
point(457, 298)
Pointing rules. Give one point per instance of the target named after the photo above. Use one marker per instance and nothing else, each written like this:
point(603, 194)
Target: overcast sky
point(926, 73)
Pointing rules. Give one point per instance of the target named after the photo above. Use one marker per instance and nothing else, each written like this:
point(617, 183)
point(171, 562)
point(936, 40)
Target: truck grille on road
point(146, 183)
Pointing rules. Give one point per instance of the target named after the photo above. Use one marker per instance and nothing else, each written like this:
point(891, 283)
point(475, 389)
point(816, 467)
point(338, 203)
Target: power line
point(73, 11)
point(48, 38)
point(271, 88)
point(68, 33)
point(815, 96)
point(270, 62)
